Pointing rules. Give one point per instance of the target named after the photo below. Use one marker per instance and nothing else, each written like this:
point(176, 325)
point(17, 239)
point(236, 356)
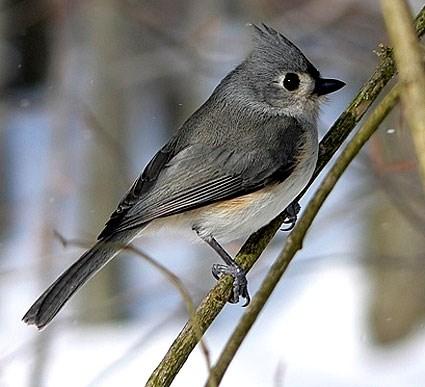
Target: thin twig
point(176, 281)
point(295, 240)
point(172, 278)
point(215, 300)
point(409, 59)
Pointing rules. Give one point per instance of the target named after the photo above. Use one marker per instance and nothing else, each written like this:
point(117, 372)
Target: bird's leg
point(240, 283)
point(291, 216)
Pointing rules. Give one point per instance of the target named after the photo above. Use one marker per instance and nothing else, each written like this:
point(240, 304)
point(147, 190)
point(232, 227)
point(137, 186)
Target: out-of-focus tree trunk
point(398, 274)
point(3, 154)
point(396, 242)
point(103, 179)
point(28, 44)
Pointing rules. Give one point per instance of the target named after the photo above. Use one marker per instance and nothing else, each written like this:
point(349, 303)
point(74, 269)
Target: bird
point(237, 162)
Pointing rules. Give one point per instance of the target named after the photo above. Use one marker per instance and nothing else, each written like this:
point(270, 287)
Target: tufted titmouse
point(236, 163)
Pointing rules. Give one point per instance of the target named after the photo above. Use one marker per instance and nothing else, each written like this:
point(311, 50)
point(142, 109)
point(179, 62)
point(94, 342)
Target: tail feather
point(54, 298)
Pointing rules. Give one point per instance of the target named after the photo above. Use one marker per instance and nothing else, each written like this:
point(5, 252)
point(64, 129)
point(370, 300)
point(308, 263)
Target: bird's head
point(280, 76)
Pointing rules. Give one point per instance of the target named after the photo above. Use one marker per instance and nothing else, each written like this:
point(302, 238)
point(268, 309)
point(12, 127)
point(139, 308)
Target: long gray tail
point(57, 294)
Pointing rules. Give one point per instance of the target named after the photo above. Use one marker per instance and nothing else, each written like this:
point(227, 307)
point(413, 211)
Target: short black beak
point(325, 86)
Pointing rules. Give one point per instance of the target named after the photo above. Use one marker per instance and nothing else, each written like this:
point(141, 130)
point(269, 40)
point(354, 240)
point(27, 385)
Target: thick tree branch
point(215, 300)
point(409, 59)
point(294, 242)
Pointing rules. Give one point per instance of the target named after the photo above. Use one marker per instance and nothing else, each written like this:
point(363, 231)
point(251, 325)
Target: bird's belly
point(232, 219)
point(240, 217)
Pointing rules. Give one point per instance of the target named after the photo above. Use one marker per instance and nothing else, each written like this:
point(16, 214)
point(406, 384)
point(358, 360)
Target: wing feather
point(195, 175)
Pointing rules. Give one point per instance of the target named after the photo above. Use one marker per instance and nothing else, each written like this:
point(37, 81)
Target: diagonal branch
point(294, 242)
point(215, 300)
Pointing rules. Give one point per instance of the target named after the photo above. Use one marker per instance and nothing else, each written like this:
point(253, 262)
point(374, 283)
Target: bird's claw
point(240, 283)
point(291, 216)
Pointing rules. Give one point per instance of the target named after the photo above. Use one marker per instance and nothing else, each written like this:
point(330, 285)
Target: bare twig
point(215, 300)
point(187, 300)
point(408, 56)
point(172, 278)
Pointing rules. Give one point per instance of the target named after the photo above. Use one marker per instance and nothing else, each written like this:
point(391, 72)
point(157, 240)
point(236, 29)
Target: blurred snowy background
point(89, 90)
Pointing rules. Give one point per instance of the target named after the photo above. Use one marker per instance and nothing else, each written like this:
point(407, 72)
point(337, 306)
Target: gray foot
point(240, 283)
point(291, 216)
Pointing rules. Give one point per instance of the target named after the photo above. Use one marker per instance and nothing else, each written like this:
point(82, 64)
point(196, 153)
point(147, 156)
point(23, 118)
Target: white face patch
point(305, 87)
point(303, 103)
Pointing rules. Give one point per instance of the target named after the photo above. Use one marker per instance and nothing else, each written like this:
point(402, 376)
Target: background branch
point(173, 279)
point(409, 60)
point(215, 300)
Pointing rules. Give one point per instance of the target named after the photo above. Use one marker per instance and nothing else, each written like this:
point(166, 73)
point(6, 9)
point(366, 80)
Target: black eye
point(291, 81)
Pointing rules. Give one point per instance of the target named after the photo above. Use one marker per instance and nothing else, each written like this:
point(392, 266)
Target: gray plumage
point(208, 171)
point(251, 136)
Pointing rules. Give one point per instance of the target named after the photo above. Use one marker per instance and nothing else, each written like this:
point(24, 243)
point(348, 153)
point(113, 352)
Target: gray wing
point(195, 177)
point(200, 174)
